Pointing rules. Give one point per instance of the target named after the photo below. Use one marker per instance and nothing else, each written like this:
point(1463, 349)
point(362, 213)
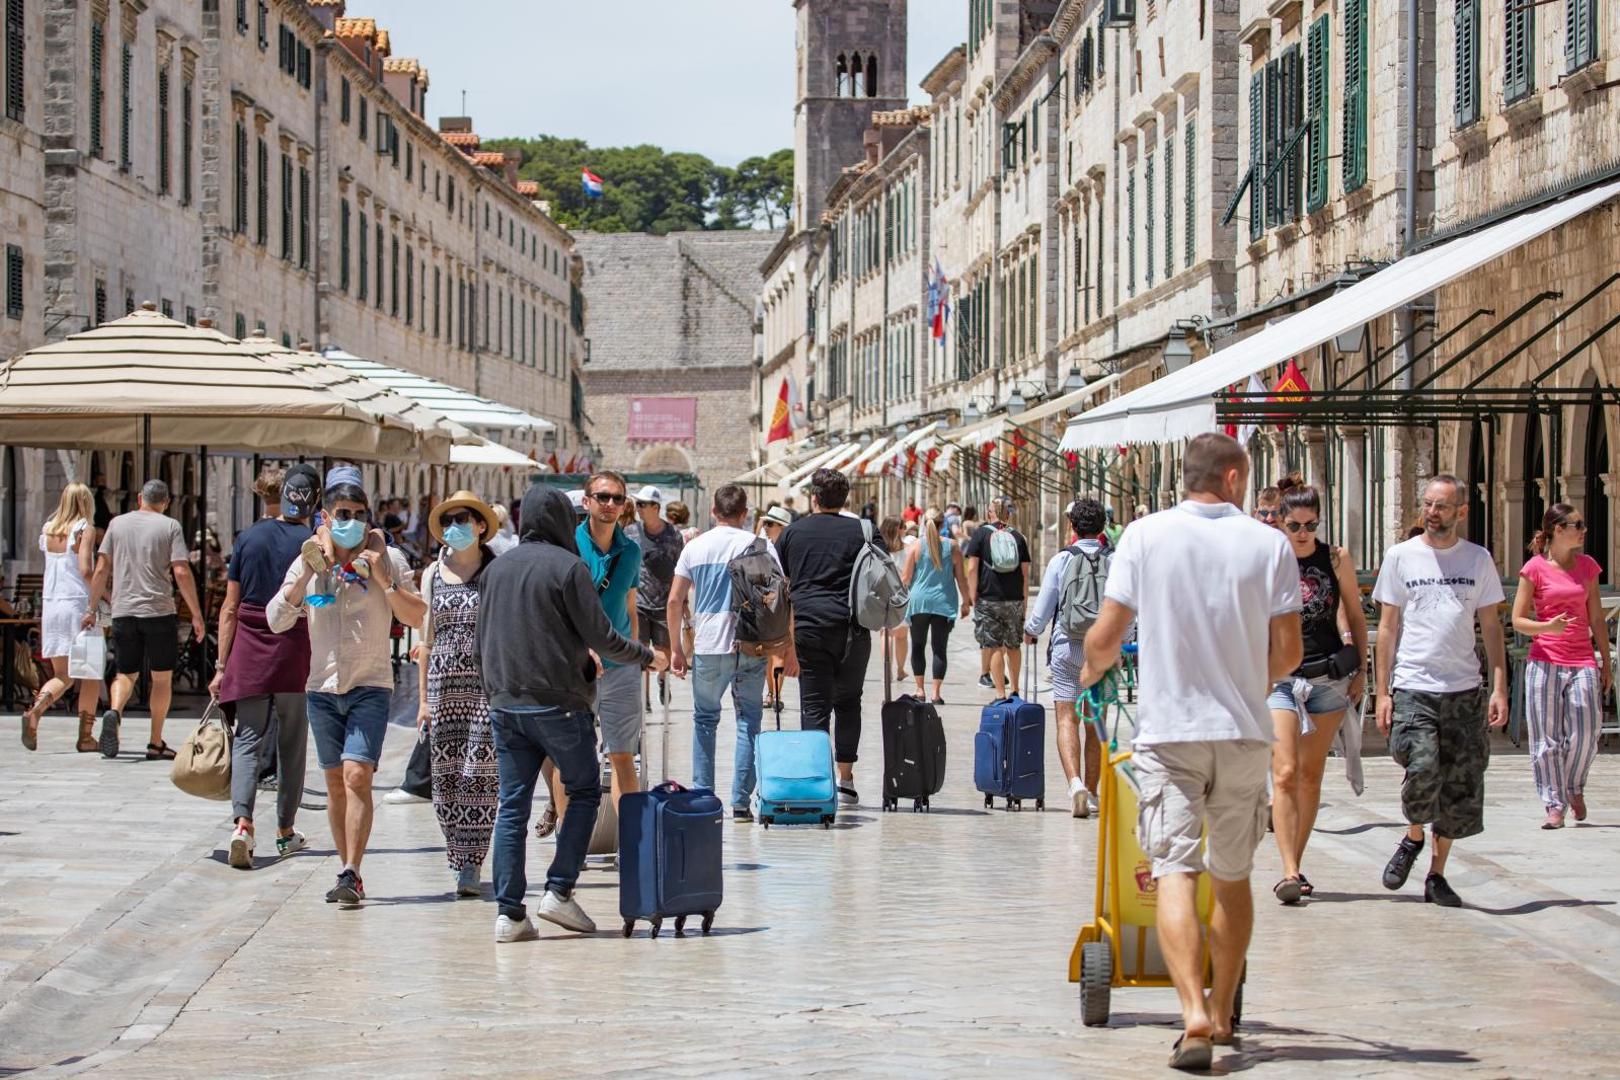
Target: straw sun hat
point(464, 500)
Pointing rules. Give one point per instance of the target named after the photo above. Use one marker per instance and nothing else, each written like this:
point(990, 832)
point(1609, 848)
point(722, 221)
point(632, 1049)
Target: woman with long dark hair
point(1308, 706)
point(1557, 607)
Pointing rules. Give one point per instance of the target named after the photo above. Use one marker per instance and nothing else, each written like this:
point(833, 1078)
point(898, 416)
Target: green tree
point(649, 190)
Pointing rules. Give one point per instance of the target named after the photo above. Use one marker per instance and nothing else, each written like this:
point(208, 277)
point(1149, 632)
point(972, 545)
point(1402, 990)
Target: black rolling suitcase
point(913, 746)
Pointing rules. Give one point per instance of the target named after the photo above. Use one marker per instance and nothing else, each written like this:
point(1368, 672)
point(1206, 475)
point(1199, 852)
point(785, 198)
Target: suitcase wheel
point(680, 926)
point(1040, 804)
point(765, 822)
point(826, 822)
point(1015, 804)
point(989, 802)
point(708, 922)
point(657, 924)
point(890, 804)
point(919, 805)
point(629, 927)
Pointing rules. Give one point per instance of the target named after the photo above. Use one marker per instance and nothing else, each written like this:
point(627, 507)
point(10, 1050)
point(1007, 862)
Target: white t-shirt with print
point(703, 563)
point(1205, 581)
point(1439, 591)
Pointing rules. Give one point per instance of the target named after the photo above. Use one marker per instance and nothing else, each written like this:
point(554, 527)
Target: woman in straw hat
point(455, 710)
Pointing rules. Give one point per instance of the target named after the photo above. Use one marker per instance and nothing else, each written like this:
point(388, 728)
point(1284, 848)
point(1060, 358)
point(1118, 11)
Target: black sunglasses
point(604, 498)
point(1266, 515)
point(1581, 525)
point(346, 515)
point(455, 517)
point(1308, 526)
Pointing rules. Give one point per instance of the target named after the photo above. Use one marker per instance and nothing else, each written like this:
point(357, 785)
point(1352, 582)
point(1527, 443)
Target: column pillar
point(1352, 480)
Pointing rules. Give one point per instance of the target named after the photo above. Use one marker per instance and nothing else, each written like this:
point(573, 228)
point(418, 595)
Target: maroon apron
point(262, 662)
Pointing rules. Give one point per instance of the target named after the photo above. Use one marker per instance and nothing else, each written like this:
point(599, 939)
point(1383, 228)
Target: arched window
point(871, 76)
point(841, 87)
point(856, 68)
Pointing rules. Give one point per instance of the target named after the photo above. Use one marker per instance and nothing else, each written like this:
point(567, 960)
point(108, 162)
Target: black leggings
point(922, 627)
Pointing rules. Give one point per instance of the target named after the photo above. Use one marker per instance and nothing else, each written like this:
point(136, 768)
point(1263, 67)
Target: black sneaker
point(984, 681)
point(1437, 891)
point(742, 815)
point(348, 889)
point(1400, 863)
point(109, 733)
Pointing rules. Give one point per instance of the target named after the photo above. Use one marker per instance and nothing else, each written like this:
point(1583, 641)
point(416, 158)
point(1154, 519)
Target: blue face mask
point(348, 534)
point(460, 537)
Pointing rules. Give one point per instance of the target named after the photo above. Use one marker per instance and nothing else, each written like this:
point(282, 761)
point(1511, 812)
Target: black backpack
point(759, 599)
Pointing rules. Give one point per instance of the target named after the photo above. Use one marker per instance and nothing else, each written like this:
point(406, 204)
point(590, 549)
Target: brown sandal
point(159, 752)
point(547, 823)
point(87, 743)
point(31, 718)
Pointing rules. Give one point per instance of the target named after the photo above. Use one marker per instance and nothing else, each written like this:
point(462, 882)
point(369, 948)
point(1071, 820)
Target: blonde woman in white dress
point(69, 543)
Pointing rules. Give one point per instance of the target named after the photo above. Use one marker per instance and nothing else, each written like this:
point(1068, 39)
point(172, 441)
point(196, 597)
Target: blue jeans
point(712, 673)
point(524, 738)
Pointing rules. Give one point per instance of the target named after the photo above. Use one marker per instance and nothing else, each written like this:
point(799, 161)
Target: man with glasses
point(614, 561)
point(1268, 505)
point(1433, 588)
point(660, 545)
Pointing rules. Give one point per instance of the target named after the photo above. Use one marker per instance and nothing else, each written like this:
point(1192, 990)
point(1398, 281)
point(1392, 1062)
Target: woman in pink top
point(1557, 607)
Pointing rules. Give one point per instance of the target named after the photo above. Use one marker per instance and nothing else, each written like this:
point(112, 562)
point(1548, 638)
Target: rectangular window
point(129, 301)
point(363, 263)
point(1519, 52)
point(1170, 206)
point(303, 217)
point(126, 60)
point(365, 110)
point(191, 315)
point(410, 287)
point(344, 107)
point(1580, 33)
point(241, 177)
point(14, 59)
point(1130, 232)
point(241, 325)
point(438, 284)
point(1149, 220)
point(344, 225)
point(163, 131)
point(264, 25)
point(286, 208)
point(306, 67)
point(14, 281)
point(1317, 108)
point(166, 308)
point(241, 26)
point(382, 289)
point(1353, 163)
point(393, 275)
point(100, 302)
point(1284, 97)
point(1257, 151)
point(1190, 213)
point(263, 206)
point(409, 162)
point(98, 91)
point(188, 143)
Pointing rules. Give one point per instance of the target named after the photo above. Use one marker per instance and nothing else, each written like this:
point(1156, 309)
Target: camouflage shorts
point(998, 624)
point(1442, 742)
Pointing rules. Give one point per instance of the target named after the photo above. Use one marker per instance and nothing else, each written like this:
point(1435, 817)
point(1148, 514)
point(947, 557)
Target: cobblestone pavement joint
point(903, 944)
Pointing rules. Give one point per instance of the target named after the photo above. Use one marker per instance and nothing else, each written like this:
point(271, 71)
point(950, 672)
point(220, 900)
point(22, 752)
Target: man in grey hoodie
point(538, 620)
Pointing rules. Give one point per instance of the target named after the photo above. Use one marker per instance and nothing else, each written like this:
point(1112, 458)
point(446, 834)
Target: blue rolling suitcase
point(1009, 750)
point(796, 782)
point(669, 856)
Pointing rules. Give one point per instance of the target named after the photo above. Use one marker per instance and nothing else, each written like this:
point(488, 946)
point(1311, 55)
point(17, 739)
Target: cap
point(650, 494)
point(779, 515)
point(343, 474)
point(300, 490)
point(577, 497)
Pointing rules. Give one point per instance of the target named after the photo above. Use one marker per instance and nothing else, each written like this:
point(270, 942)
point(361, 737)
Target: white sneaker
point(1092, 805)
point(565, 913)
point(508, 929)
point(847, 795)
point(400, 796)
point(241, 851)
point(1082, 804)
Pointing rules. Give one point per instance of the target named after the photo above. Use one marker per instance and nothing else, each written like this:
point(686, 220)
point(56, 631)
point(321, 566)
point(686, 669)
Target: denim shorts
point(349, 727)
point(1327, 696)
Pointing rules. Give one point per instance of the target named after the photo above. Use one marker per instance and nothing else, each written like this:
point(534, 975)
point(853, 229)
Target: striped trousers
point(1563, 710)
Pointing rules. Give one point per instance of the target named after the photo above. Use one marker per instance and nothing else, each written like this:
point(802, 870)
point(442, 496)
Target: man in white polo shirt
point(1215, 595)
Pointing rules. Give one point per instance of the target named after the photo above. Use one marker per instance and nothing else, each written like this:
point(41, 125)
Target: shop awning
point(775, 471)
point(1183, 404)
point(459, 405)
point(484, 452)
point(833, 453)
point(910, 440)
point(1059, 405)
point(873, 449)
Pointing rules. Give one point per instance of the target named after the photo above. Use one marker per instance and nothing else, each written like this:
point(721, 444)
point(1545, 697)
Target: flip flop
point(1192, 1053)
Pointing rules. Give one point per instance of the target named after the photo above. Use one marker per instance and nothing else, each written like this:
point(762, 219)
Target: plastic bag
point(87, 658)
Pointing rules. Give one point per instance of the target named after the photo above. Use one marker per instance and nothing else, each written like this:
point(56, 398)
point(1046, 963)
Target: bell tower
point(851, 57)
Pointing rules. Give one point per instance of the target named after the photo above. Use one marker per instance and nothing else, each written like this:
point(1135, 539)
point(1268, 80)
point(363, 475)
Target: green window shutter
point(1257, 153)
point(15, 46)
point(1034, 305)
point(1465, 68)
point(1353, 162)
point(1518, 67)
point(1130, 233)
point(1189, 214)
point(1169, 207)
point(1580, 33)
point(1149, 220)
point(1292, 109)
point(98, 93)
point(1317, 106)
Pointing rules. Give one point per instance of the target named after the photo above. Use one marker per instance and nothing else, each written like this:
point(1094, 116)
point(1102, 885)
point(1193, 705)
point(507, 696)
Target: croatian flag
point(939, 305)
point(591, 182)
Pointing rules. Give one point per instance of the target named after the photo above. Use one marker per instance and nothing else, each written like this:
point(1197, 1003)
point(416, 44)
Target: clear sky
point(711, 76)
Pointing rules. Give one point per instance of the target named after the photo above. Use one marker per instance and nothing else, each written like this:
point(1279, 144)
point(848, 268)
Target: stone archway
point(665, 458)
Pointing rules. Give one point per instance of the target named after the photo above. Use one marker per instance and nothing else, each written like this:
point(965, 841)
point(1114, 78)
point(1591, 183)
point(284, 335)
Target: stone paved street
point(918, 945)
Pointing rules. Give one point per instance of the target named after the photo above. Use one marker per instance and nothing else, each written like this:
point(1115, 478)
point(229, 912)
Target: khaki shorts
point(1188, 786)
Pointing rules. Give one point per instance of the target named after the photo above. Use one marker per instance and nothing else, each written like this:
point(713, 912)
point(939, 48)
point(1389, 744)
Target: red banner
point(663, 419)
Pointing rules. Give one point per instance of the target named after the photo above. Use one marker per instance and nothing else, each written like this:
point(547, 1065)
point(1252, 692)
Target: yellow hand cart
point(1120, 946)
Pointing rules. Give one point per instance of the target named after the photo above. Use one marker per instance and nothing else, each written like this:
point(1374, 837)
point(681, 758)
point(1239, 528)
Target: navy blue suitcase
point(669, 856)
point(1009, 751)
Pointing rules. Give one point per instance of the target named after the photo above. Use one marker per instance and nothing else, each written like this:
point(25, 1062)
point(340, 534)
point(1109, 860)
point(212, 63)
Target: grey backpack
point(877, 597)
point(1080, 592)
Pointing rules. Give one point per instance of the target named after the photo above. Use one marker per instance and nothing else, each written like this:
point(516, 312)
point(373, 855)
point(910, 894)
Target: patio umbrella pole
point(203, 567)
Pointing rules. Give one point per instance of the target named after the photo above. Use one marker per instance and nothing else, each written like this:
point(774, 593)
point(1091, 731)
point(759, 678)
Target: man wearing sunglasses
point(614, 561)
point(660, 545)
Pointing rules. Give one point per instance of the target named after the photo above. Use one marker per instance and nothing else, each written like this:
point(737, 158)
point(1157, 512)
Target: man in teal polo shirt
point(614, 561)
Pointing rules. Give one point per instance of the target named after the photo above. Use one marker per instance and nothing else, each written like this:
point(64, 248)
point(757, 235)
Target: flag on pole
point(939, 304)
point(591, 183)
point(1255, 391)
point(781, 417)
point(796, 414)
point(1291, 387)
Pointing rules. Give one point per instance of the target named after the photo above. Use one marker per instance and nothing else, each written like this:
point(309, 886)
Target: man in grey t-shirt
point(137, 556)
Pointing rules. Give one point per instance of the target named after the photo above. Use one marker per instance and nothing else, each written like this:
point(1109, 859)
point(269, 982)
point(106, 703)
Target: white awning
point(774, 471)
point(485, 452)
point(1047, 409)
point(459, 405)
point(910, 440)
point(1181, 405)
point(794, 478)
point(873, 449)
